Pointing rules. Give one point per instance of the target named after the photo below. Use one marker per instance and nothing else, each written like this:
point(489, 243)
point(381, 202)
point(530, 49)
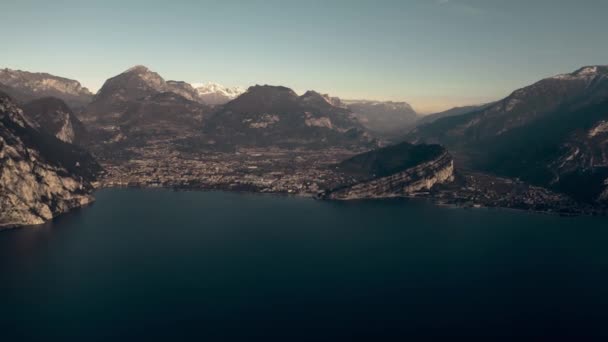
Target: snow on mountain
point(216, 94)
point(586, 73)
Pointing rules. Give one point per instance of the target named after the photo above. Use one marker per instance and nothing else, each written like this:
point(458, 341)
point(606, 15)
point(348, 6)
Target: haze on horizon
point(434, 54)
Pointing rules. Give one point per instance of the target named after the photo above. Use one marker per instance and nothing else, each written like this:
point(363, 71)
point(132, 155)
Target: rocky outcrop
point(40, 176)
point(26, 86)
point(423, 167)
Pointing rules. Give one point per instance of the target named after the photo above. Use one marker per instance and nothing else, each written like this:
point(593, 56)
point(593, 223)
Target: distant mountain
point(216, 94)
point(183, 89)
point(138, 108)
point(25, 86)
point(394, 171)
point(385, 119)
point(123, 94)
point(120, 92)
point(41, 176)
point(161, 117)
point(552, 133)
point(314, 97)
point(53, 116)
point(450, 112)
point(277, 116)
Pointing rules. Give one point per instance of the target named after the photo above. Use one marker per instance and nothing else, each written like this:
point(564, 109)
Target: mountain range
point(273, 115)
point(549, 138)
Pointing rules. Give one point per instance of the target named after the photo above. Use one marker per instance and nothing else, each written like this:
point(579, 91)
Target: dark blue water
point(158, 264)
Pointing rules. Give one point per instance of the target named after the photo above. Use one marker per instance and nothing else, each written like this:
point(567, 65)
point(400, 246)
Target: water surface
point(159, 264)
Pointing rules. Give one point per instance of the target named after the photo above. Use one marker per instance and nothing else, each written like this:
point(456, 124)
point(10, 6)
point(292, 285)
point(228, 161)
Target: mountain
point(384, 119)
point(277, 116)
point(138, 106)
point(450, 112)
point(319, 99)
point(160, 121)
point(25, 86)
point(54, 117)
point(183, 89)
point(394, 171)
point(122, 94)
point(40, 176)
point(552, 133)
point(216, 94)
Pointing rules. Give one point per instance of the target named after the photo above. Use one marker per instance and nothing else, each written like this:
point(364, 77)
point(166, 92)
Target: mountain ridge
point(541, 133)
point(26, 86)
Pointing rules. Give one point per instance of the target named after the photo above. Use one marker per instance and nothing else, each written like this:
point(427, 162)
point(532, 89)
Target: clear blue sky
point(432, 53)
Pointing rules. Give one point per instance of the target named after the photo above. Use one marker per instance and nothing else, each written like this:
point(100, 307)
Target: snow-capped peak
point(212, 87)
point(214, 94)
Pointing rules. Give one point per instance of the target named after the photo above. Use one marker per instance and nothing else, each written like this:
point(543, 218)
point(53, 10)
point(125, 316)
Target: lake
point(161, 264)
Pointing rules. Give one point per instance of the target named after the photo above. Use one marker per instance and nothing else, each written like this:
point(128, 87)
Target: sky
point(434, 54)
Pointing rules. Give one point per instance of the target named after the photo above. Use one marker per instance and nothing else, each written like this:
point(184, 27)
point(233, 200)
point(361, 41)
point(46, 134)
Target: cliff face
point(40, 176)
point(54, 117)
point(437, 169)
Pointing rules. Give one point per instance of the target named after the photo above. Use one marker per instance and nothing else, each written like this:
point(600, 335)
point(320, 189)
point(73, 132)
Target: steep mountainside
point(277, 116)
point(40, 176)
point(54, 117)
point(393, 171)
point(450, 112)
point(383, 118)
point(163, 118)
point(551, 133)
point(25, 86)
point(120, 93)
point(138, 107)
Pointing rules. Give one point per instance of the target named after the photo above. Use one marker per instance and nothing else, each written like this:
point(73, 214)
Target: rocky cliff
point(40, 176)
point(417, 169)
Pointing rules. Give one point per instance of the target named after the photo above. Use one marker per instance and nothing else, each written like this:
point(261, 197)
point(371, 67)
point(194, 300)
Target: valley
point(144, 131)
point(273, 170)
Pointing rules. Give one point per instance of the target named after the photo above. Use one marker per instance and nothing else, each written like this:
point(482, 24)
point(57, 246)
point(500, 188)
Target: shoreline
point(576, 211)
point(428, 197)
